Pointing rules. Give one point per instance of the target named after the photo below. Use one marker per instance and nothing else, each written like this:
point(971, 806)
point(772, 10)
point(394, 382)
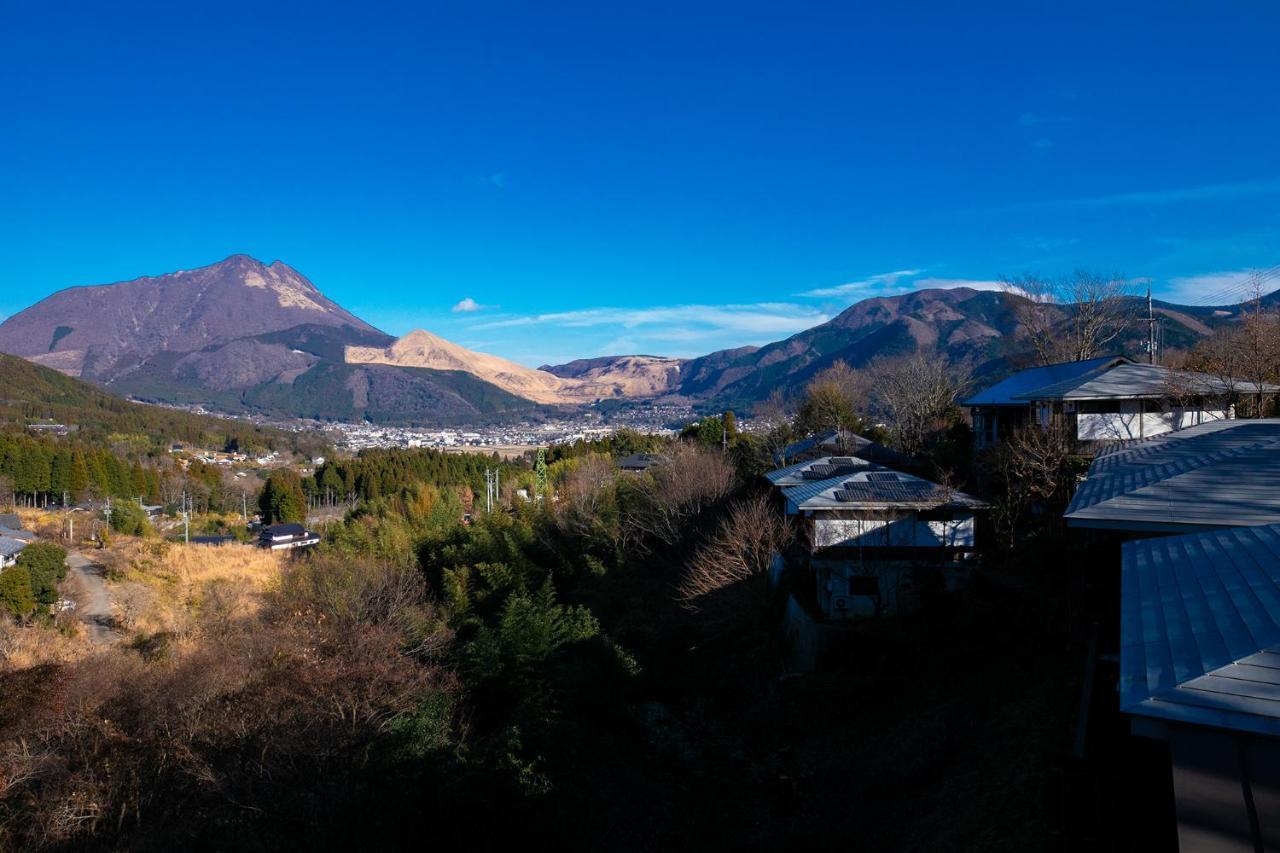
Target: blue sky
point(669, 178)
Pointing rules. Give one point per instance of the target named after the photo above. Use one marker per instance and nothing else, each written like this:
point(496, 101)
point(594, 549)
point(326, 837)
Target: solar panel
point(842, 460)
point(910, 491)
point(824, 471)
point(884, 476)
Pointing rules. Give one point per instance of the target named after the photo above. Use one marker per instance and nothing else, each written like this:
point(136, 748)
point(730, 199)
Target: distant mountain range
point(242, 335)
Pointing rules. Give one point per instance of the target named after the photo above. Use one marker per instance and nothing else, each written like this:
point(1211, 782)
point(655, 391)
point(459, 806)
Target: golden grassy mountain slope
point(423, 349)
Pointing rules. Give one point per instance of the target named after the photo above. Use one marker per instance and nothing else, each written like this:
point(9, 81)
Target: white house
point(872, 534)
point(286, 537)
point(1104, 399)
point(9, 550)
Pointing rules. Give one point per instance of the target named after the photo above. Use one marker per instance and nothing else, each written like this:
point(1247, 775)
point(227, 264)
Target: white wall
point(1129, 423)
point(907, 531)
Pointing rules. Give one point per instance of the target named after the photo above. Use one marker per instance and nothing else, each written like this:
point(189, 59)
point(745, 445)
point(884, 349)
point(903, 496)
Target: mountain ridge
point(241, 335)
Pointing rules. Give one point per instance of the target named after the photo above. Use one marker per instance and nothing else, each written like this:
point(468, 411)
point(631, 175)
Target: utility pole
point(540, 471)
point(1151, 329)
point(186, 522)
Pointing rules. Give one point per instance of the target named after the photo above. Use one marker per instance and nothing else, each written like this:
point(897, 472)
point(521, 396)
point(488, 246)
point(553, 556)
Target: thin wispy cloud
point(1208, 192)
point(881, 282)
point(897, 282)
point(1219, 288)
point(762, 318)
point(469, 305)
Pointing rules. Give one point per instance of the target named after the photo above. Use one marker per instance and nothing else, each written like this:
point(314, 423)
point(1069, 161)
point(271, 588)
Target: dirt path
point(94, 603)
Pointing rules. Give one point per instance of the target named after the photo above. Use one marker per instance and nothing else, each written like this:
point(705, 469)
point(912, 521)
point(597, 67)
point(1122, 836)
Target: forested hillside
point(34, 394)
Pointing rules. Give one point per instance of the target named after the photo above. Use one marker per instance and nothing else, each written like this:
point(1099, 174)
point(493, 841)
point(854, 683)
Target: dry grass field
point(164, 587)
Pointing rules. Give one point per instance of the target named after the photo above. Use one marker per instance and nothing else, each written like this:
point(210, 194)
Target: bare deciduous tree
point(912, 395)
point(1243, 357)
point(741, 549)
point(587, 506)
point(1032, 466)
point(830, 401)
point(1072, 318)
point(667, 496)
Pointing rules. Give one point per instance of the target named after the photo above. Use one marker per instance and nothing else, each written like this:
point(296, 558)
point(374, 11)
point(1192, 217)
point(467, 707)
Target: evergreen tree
point(46, 565)
point(282, 499)
point(15, 591)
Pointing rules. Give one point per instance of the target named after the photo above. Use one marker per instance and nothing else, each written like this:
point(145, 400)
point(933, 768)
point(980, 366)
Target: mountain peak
point(103, 331)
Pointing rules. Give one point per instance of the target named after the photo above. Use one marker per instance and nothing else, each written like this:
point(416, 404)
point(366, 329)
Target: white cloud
point(765, 318)
point(885, 282)
point(469, 305)
point(1216, 288)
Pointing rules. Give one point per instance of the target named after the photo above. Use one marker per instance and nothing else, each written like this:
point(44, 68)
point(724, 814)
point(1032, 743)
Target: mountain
point(958, 324)
point(575, 383)
point(101, 332)
point(35, 394)
point(961, 326)
point(631, 375)
point(241, 335)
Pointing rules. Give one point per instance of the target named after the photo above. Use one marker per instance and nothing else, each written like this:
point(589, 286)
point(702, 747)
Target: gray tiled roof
point(812, 470)
point(865, 490)
point(1217, 474)
point(1126, 381)
point(11, 547)
point(1009, 391)
point(1107, 377)
point(1200, 629)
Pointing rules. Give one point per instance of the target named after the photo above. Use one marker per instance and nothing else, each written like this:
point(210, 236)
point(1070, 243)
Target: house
point(22, 535)
point(153, 511)
point(1103, 399)
point(640, 462)
point(9, 550)
point(1216, 474)
point(873, 536)
point(1200, 670)
point(285, 537)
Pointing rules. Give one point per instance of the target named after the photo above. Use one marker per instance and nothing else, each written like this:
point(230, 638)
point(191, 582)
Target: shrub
point(129, 519)
point(15, 591)
point(46, 563)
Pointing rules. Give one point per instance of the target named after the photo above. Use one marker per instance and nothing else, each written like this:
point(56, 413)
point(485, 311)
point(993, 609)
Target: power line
point(1239, 291)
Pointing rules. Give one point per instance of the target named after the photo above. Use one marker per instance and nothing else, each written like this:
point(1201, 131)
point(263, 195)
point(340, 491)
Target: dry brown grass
point(164, 586)
point(23, 646)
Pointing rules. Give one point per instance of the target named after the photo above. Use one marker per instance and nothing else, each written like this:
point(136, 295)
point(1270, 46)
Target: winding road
point(94, 606)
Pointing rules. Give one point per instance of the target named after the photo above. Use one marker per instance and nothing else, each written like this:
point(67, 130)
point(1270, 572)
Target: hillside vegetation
point(35, 394)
